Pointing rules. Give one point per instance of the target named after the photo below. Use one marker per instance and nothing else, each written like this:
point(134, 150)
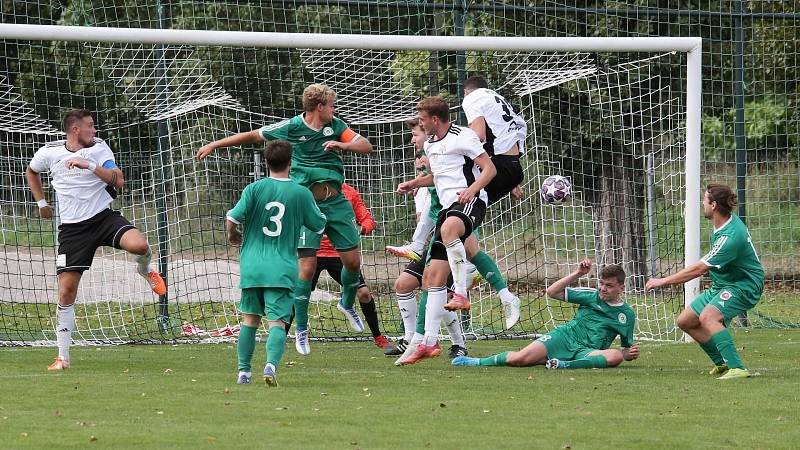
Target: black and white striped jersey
point(451, 159)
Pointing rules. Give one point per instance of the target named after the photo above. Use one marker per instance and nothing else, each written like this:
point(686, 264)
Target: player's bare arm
point(557, 290)
point(488, 171)
point(408, 187)
point(479, 127)
point(359, 145)
point(111, 177)
point(249, 137)
point(234, 236)
point(697, 269)
point(35, 183)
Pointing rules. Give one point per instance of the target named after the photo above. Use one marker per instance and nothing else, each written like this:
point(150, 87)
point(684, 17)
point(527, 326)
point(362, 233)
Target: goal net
point(609, 115)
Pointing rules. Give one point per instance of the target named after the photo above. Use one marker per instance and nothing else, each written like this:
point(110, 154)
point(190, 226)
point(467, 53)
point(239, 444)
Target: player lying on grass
point(737, 280)
point(85, 177)
point(272, 212)
point(584, 341)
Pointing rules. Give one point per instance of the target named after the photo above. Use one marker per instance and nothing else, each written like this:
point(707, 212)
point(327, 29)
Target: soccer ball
point(555, 189)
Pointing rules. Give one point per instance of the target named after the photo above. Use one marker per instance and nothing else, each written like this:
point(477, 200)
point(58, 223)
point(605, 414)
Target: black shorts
point(78, 241)
point(509, 175)
point(333, 265)
point(471, 213)
point(417, 269)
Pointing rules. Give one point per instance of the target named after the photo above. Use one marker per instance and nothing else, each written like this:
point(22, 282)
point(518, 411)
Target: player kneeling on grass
point(584, 341)
point(272, 212)
point(737, 279)
point(85, 177)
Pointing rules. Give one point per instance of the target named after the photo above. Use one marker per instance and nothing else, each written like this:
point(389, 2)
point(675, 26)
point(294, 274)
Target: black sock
point(371, 316)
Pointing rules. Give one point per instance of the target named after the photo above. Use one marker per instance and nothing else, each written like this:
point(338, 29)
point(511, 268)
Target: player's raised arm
point(248, 137)
point(479, 127)
point(557, 289)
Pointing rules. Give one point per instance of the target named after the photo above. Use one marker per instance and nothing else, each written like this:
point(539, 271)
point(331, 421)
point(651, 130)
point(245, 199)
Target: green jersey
point(732, 260)
point(597, 323)
point(311, 163)
point(273, 211)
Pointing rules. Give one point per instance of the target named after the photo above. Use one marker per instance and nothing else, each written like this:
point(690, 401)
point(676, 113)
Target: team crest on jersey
point(327, 131)
point(725, 295)
point(622, 318)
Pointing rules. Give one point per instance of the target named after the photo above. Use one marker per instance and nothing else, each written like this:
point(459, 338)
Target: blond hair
point(317, 94)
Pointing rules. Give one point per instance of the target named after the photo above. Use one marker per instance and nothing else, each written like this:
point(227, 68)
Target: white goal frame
point(692, 46)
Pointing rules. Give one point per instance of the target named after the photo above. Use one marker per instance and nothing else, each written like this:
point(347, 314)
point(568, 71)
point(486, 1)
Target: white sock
point(506, 295)
point(472, 272)
point(457, 258)
point(247, 374)
point(453, 323)
point(66, 323)
point(417, 338)
point(437, 297)
point(408, 311)
point(143, 263)
point(421, 233)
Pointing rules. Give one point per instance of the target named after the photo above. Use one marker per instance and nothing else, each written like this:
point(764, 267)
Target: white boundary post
point(693, 154)
point(690, 45)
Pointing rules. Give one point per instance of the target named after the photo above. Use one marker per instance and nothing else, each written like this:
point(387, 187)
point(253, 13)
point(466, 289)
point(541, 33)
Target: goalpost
point(158, 95)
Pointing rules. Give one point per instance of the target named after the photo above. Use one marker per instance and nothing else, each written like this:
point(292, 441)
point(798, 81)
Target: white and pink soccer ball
point(555, 189)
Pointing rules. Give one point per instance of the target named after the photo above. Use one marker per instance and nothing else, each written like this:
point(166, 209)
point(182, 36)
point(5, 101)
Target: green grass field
point(348, 396)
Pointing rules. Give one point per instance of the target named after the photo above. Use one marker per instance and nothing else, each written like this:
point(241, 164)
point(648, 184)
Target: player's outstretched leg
point(408, 251)
point(134, 242)
point(491, 273)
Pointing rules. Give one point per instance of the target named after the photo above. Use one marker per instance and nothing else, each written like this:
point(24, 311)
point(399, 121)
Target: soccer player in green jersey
point(737, 280)
point(584, 341)
point(318, 139)
point(272, 212)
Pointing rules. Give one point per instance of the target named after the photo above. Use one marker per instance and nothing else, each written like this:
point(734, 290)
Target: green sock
point(421, 313)
point(724, 343)
point(349, 287)
point(496, 360)
point(245, 346)
point(302, 292)
point(589, 362)
point(711, 350)
point(276, 342)
point(489, 270)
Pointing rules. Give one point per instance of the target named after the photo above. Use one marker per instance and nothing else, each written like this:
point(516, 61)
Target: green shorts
point(274, 303)
point(563, 347)
point(730, 302)
point(342, 228)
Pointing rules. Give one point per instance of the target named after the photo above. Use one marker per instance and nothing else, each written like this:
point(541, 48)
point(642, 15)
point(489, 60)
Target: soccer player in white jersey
point(85, 177)
point(502, 132)
point(453, 153)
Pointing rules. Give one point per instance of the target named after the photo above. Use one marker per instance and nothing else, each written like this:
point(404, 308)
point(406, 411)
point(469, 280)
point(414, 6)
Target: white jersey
point(451, 160)
point(504, 127)
point(81, 194)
